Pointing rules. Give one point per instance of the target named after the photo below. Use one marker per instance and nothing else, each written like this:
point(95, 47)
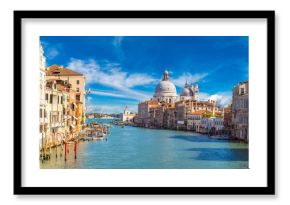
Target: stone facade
point(240, 111)
point(56, 112)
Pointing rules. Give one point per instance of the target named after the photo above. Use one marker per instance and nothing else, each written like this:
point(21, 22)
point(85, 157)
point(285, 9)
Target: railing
point(57, 124)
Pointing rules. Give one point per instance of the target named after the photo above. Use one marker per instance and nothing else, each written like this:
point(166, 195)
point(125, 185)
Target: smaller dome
point(185, 92)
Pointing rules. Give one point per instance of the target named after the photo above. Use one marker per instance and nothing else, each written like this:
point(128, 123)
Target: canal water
point(143, 148)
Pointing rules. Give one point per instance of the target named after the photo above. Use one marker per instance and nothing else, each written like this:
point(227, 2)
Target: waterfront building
point(165, 90)
point(74, 117)
point(181, 115)
point(144, 108)
point(127, 116)
point(228, 119)
point(212, 125)
point(77, 83)
point(194, 120)
point(170, 117)
point(42, 103)
point(166, 110)
point(56, 111)
point(240, 111)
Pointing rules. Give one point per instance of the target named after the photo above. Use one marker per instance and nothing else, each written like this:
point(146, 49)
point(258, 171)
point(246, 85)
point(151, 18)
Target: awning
point(75, 117)
point(72, 126)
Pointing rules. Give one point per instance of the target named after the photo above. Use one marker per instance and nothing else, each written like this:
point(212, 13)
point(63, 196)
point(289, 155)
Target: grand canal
point(142, 148)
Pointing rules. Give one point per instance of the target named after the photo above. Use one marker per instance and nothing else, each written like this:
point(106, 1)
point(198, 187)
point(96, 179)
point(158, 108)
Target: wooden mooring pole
point(75, 148)
point(65, 150)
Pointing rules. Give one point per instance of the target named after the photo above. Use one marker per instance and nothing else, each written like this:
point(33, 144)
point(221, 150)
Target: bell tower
point(196, 91)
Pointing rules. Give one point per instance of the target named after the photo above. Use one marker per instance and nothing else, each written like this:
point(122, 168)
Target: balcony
point(56, 124)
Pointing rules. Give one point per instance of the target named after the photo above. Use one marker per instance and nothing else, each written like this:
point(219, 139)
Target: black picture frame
point(268, 190)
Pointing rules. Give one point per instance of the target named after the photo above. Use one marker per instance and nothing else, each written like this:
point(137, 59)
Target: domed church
point(189, 92)
point(165, 90)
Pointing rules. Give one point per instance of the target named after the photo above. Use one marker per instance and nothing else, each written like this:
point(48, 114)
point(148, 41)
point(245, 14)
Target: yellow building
point(77, 83)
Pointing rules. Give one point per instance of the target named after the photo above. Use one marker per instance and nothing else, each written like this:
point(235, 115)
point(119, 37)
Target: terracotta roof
point(152, 102)
point(200, 112)
point(154, 106)
point(57, 70)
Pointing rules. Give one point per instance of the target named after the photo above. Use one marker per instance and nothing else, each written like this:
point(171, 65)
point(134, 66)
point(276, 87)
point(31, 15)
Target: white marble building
point(165, 90)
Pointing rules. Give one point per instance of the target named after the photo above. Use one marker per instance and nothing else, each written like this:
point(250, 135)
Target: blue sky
point(124, 70)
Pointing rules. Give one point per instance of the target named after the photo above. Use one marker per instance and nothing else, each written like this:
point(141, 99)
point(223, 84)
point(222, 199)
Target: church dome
point(165, 88)
point(185, 92)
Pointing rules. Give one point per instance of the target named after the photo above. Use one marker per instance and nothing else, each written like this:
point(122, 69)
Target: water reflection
point(220, 154)
point(141, 148)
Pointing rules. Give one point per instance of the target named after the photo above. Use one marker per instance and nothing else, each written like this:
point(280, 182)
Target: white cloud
point(104, 109)
point(104, 93)
point(222, 98)
point(51, 51)
point(111, 75)
point(180, 81)
point(109, 109)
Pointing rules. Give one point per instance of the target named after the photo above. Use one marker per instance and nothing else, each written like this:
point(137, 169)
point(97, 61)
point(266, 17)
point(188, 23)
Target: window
point(46, 96)
point(78, 90)
point(78, 97)
point(78, 82)
point(40, 113)
point(51, 99)
point(61, 99)
point(242, 91)
point(246, 103)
